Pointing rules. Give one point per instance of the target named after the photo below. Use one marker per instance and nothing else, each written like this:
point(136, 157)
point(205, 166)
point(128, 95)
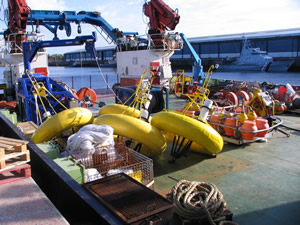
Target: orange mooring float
point(248, 130)
point(230, 122)
point(262, 124)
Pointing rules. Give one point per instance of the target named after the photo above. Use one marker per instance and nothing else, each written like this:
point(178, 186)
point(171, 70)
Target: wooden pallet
point(13, 152)
point(16, 173)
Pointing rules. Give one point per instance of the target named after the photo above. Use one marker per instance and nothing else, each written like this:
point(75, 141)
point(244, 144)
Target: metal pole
point(106, 83)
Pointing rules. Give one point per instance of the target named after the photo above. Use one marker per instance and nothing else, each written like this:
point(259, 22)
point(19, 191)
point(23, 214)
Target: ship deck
point(260, 181)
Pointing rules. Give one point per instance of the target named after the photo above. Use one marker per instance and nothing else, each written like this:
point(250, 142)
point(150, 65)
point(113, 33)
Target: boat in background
point(254, 59)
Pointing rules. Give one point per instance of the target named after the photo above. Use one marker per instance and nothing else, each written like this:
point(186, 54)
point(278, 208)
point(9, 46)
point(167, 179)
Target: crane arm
point(54, 20)
point(18, 14)
point(197, 67)
point(161, 18)
point(30, 49)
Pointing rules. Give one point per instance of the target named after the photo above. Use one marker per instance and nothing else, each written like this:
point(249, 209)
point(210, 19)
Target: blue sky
point(198, 17)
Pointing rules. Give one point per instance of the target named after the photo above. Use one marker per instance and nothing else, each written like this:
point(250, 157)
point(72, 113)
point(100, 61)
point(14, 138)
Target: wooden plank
point(13, 164)
point(17, 146)
point(10, 143)
point(2, 152)
point(25, 157)
point(6, 147)
point(14, 140)
point(13, 155)
point(12, 158)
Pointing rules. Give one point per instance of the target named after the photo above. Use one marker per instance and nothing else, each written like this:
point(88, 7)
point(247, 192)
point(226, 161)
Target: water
point(91, 77)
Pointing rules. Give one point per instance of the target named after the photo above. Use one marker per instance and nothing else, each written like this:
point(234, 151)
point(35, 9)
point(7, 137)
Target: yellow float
point(120, 109)
point(60, 122)
point(153, 142)
point(205, 138)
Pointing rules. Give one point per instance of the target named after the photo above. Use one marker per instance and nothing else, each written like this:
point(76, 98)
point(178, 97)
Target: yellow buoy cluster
point(126, 123)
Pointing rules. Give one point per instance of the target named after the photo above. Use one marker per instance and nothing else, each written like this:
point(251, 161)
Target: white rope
point(198, 200)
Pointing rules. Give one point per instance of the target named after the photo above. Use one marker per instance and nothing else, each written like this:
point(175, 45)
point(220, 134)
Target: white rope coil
point(198, 200)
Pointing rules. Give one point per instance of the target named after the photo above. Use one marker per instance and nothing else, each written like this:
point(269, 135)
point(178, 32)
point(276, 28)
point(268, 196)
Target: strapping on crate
point(121, 160)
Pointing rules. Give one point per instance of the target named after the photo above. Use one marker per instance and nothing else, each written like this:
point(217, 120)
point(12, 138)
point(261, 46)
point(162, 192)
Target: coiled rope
point(198, 200)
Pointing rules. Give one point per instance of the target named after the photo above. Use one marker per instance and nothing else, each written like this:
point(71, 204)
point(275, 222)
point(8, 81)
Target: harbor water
point(101, 78)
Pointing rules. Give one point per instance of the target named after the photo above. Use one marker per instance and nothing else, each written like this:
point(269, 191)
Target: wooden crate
point(28, 128)
point(13, 152)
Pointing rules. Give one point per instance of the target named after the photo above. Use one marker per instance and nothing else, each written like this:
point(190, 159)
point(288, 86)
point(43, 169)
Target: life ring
point(87, 94)
point(60, 122)
point(153, 142)
point(201, 133)
point(119, 109)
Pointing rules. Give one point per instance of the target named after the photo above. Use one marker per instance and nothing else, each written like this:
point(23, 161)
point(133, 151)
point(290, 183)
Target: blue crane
point(198, 74)
point(54, 20)
point(41, 95)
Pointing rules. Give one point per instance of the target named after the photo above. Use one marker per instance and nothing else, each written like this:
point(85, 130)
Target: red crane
point(161, 18)
point(18, 12)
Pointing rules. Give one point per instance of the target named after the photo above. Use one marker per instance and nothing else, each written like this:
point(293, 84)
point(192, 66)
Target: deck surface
point(260, 181)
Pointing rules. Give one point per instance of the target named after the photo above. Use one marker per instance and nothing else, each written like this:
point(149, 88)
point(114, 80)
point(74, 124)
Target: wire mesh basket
point(118, 160)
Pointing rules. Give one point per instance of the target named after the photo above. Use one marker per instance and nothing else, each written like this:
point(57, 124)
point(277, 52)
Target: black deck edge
point(71, 199)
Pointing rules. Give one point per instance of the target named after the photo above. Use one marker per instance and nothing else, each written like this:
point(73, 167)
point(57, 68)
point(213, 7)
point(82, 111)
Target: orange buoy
point(231, 122)
point(87, 94)
point(248, 125)
point(262, 124)
point(215, 119)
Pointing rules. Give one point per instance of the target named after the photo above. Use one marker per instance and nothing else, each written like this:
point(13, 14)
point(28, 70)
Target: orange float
point(215, 119)
point(87, 94)
point(231, 122)
point(248, 125)
point(261, 125)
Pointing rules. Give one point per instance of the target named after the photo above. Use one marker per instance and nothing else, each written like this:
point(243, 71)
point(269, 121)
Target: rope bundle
point(198, 200)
